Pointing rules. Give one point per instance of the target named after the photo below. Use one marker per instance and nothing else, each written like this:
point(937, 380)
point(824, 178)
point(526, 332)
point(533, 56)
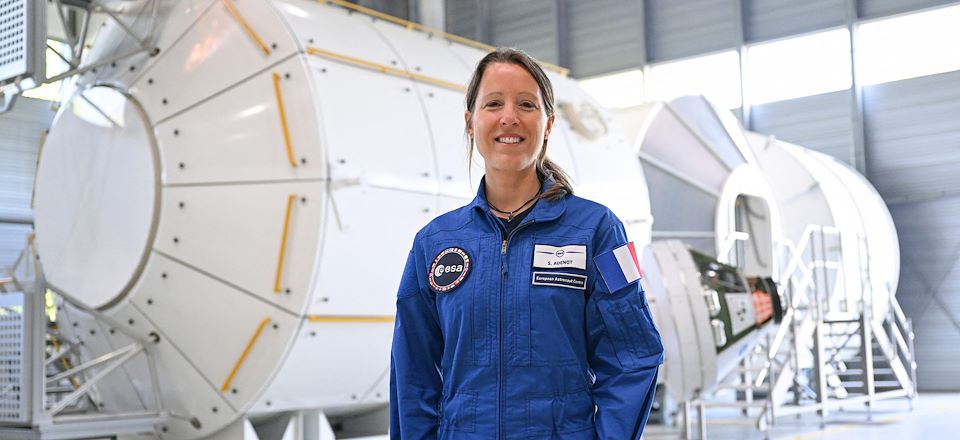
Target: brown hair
point(546, 168)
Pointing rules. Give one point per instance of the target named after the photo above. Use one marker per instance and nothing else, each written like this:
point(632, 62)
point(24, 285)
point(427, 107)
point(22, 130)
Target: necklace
point(512, 214)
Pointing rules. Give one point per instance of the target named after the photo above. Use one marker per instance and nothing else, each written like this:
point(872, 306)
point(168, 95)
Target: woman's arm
point(624, 348)
point(415, 385)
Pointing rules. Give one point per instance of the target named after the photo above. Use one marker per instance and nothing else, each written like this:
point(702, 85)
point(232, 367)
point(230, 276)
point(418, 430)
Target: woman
point(521, 315)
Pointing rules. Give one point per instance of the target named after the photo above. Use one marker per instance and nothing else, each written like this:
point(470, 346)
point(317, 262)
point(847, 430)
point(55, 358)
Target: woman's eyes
point(526, 105)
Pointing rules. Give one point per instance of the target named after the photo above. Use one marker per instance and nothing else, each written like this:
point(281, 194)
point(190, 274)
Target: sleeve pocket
point(630, 326)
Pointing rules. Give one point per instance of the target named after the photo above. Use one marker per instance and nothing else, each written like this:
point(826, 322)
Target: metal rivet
point(323, 70)
point(176, 240)
point(303, 160)
point(164, 101)
point(310, 40)
point(149, 80)
point(113, 64)
point(130, 321)
point(268, 403)
point(276, 326)
point(164, 429)
point(341, 161)
point(181, 204)
point(273, 46)
point(234, 391)
point(325, 299)
point(163, 275)
point(149, 302)
point(93, 332)
point(286, 75)
point(303, 200)
point(214, 409)
point(182, 165)
point(176, 132)
point(132, 68)
point(75, 324)
point(287, 291)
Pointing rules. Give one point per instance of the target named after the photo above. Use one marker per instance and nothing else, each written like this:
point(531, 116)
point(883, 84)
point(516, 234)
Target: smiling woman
point(521, 314)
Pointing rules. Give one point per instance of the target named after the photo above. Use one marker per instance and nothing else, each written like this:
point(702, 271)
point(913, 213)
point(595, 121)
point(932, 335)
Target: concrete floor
point(935, 416)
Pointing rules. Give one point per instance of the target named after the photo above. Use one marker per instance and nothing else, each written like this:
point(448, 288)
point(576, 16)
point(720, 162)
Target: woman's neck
point(508, 191)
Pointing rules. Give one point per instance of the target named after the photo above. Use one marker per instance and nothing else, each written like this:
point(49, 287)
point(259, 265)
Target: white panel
point(112, 39)
point(215, 53)
point(172, 294)
point(670, 141)
point(379, 135)
point(105, 183)
point(349, 372)
point(238, 135)
point(336, 29)
point(468, 56)
point(369, 232)
point(424, 54)
point(234, 233)
point(445, 110)
point(184, 391)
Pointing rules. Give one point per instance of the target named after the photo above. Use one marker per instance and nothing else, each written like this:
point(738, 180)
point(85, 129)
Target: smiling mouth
point(509, 139)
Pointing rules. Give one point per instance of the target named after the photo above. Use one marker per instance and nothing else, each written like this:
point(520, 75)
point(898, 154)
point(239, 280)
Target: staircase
point(817, 359)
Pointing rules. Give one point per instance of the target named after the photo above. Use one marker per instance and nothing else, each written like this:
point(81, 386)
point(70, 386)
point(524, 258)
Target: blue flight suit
point(497, 356)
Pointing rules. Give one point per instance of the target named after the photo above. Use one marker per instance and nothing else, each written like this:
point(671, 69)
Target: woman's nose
point(509, 118)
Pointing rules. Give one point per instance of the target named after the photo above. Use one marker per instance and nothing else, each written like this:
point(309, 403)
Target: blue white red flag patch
point(619, 267)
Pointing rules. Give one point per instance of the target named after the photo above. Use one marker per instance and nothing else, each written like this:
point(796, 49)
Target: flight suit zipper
point(503, 275)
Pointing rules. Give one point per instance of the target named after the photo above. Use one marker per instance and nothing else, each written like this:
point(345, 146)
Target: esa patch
point(449, 269)
point(558, 279)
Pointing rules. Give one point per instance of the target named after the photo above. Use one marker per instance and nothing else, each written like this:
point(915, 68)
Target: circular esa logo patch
point(449, 269)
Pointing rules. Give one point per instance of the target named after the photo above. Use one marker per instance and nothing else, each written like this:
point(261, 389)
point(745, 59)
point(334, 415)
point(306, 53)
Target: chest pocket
point(463, 305)
point(551, 300)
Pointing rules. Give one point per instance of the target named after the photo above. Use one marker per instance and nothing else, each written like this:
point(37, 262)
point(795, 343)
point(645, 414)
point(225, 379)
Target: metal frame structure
point(76, 40)
point(775, 371)
point(52, 408)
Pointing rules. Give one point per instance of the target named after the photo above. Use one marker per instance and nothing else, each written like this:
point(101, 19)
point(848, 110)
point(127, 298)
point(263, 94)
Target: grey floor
point(934, 416)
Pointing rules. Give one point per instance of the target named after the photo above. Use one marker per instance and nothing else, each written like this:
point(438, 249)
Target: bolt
point(92, 332)
point(176, 240)
point(112, 331)
point(130, 321)
point(273, 46)
point(276, 326)
point(149, 302)
point(132, 68)
point(164, 101)
point(149, 80)
point(286, 75)
point(163, 275)
point(303, 200)
point(287, 291)
point(182, 165)
point(214, 409)
point(176, 132)
point(303, 160)
point(181, 204)
point(234, 391)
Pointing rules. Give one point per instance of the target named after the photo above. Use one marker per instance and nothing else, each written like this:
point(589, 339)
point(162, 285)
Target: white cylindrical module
point(815, 189)
point(242, 201)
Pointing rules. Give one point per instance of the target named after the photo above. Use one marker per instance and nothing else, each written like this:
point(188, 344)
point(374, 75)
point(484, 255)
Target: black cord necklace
point(511, 214)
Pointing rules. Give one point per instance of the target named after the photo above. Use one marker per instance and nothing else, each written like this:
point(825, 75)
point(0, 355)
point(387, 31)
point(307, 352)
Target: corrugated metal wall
point(605, 37)
point(913, 133)
point(677, 29)
point(19, 137)
point(820, 122)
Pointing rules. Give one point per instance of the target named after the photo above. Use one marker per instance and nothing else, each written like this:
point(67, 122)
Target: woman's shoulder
point(588, 212)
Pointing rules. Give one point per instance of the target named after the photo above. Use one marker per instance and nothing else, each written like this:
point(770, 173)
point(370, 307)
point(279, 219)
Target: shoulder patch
point(449, 269)
point(619, 267)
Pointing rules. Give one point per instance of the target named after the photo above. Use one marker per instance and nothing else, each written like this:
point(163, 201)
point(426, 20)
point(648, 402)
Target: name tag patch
point(555, 257)
point(568, 280)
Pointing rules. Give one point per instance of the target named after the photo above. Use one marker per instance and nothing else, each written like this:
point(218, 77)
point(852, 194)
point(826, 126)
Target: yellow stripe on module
point(246, 26)
point(283, 243)
point(411, 25)
point(243, 356)
point(335, 318)
point(283, 119)
point(382, 68)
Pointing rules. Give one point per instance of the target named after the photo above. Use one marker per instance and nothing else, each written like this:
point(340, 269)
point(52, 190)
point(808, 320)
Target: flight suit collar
point(545, 210)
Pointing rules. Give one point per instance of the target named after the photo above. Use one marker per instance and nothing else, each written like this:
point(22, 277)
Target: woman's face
point(508, 123)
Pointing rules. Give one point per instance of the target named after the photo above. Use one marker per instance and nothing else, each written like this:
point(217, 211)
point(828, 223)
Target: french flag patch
point(619, 267)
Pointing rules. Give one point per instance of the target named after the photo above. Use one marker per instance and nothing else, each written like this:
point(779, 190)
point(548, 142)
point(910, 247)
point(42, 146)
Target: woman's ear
point(468, 122)
point(550, 120)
